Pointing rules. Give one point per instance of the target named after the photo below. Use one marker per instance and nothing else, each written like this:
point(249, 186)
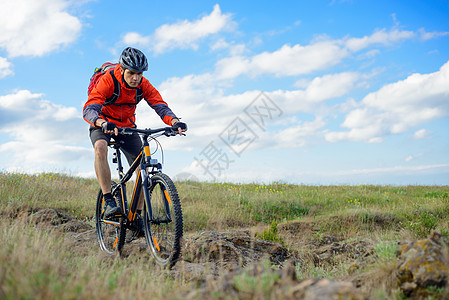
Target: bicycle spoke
point(110, 233)
point(164, 231)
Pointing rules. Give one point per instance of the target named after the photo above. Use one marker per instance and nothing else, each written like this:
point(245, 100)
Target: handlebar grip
point(123, 131)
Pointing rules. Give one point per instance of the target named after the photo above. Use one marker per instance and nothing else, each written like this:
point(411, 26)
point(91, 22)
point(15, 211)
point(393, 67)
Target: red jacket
point(122, 115)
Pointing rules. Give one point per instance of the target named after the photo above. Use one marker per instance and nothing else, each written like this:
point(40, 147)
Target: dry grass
point(43, 264)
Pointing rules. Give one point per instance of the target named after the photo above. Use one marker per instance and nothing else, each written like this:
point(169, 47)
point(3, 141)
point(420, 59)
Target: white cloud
point(298, 135)
point(202, 97)
point(369, 54)
point(233, 48)
point(191, 94)
point(398, 106)
point(413, 157)
point(41, 133)
point(194, 99)
point(27, 106)
point(379, 37)
point(422, 133)
point(330, 86)
point(220, 44)
point(298, 59)
point(287, 61)
point(431, 35)
point(5, 68)
point(314, 94)
point(135, 38)
point(45, 153)
point(201, 102)
point(320, 54)
point(183, 34)
point(36, 27)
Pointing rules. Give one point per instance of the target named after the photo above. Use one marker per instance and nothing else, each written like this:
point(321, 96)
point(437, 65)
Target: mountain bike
point(161, 214)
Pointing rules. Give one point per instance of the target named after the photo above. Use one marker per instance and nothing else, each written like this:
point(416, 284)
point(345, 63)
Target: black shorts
point(131, 146)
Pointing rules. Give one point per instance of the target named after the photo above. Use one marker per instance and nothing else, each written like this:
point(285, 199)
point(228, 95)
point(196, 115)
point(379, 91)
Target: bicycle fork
point(146, 184)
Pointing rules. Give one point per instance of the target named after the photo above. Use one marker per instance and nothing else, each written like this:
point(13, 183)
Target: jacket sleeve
point(154, 99)
point(96, 99)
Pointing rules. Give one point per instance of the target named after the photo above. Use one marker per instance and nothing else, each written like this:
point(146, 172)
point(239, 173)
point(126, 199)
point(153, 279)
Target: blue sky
point(314, 92)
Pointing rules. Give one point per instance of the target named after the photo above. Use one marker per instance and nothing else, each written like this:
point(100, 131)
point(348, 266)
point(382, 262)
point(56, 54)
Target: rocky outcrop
point(236, 265)
point(261, 281)
point(48, 217)
point(233, 248)
point(318, 289)
point(330, 251)
point(52, 218)
point(424, 266)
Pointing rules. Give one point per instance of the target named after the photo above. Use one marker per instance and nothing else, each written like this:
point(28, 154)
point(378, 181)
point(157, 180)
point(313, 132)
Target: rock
point(48, 217)
point(234, 248)
point(322, 289)
point(75, 226)
point(260, 281)
point(188, 271)
point(423, 264)
point(408, 288)
point(349, 250)
point(256, 281)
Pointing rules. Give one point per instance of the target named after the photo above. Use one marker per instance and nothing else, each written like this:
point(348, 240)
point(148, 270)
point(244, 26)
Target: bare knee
point(101, 149)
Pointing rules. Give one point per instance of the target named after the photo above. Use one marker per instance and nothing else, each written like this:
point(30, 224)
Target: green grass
point(386, 251)
point(37, 264)
point(259, 286)
point(271, 234)
point(58, 191)
point(417, 209)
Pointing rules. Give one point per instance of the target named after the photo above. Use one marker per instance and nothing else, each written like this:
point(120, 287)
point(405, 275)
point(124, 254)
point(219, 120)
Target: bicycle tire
point(110, 233)
point(162, 235)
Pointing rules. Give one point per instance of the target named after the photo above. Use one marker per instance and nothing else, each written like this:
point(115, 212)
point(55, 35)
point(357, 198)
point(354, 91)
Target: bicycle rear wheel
point(163, 225)
point(110, 232)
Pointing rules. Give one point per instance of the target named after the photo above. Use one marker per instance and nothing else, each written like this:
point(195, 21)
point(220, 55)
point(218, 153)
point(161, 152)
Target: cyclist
point(105, 118)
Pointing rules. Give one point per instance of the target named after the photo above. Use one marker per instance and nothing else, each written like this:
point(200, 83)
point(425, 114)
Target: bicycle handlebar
point(168, 131)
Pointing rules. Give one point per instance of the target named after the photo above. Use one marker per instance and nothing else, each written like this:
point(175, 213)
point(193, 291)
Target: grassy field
point(43, 264)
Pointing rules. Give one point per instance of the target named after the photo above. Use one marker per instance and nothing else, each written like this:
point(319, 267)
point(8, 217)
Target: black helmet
point(134, 60)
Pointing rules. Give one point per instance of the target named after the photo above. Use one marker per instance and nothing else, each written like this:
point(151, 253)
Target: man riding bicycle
point(105, 118)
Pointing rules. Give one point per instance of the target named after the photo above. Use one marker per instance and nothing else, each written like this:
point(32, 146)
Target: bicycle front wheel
point(110, 232)
point(162, 221)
